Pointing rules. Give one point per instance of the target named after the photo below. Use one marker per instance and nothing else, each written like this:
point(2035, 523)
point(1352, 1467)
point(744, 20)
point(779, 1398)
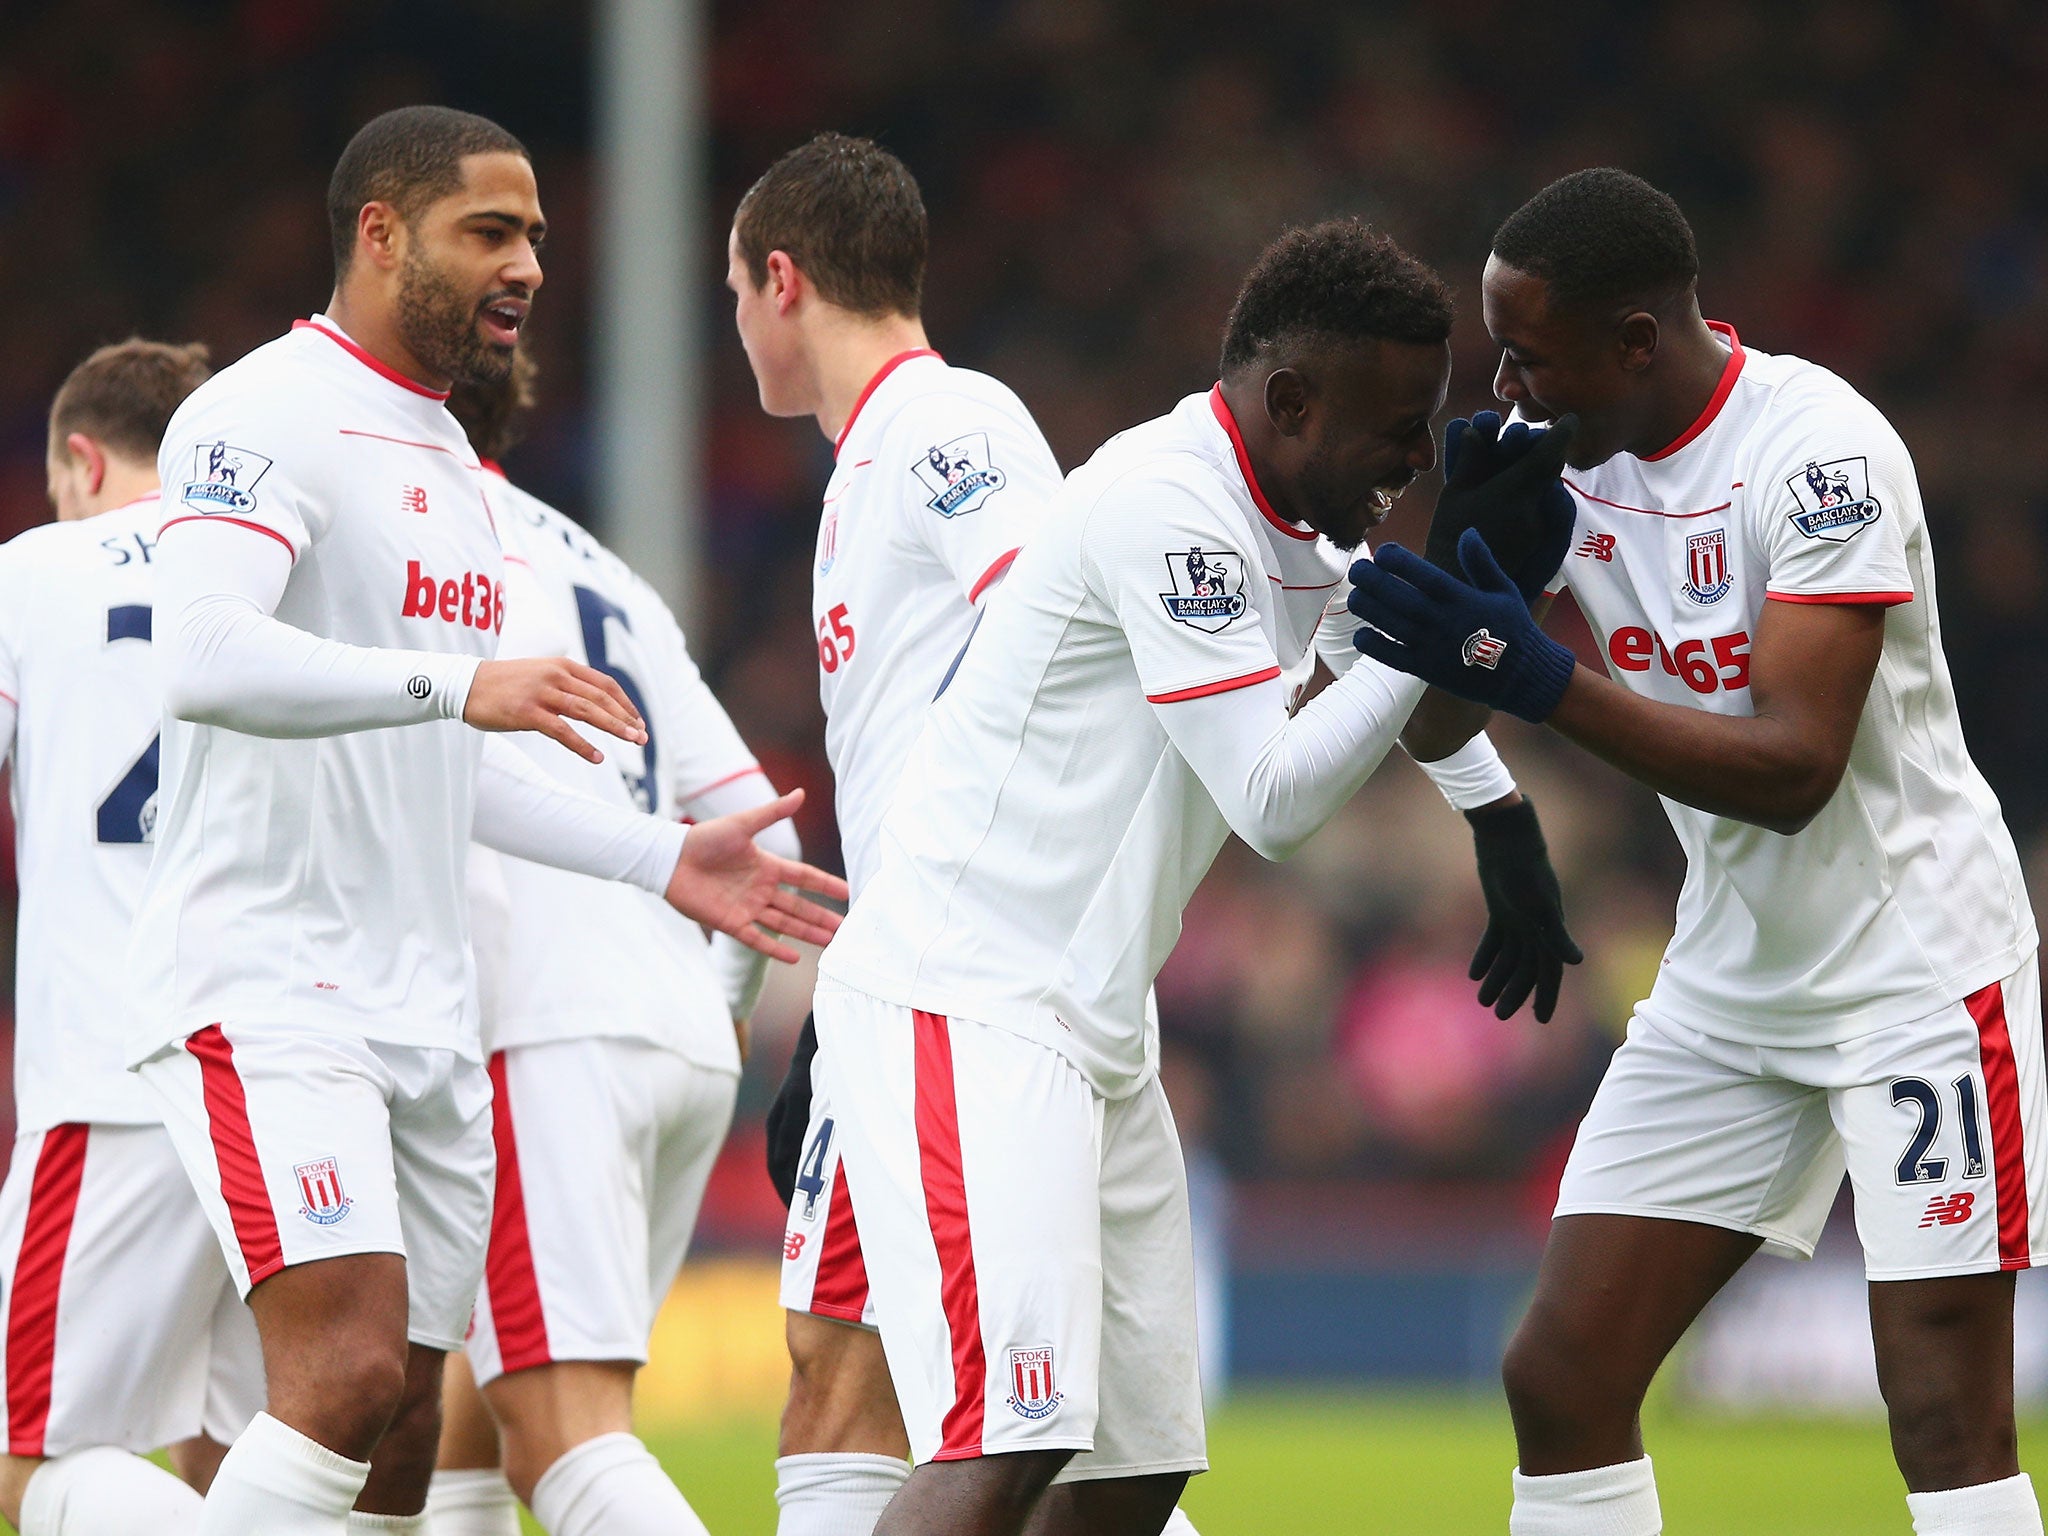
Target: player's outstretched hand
point(544, 694)
point(1526, 945)
point(725, 881)
point(1503, 481)
point(1472, 638)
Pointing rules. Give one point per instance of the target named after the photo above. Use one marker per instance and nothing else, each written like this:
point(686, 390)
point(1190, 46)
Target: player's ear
point(91, 458)
point(1287, 401)
point(785, 281)
point(379, 230)
point(1636, 340)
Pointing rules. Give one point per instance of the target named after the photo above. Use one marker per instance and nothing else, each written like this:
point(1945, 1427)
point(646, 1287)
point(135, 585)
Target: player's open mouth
point(502, 319)
point(1383, 497)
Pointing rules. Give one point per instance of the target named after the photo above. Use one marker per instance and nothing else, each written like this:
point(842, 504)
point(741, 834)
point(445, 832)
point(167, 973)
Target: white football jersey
point(1047, 834)
point(568, 956)
point(940, 475)
point(320, 880)
point(1904, 893)
point(75, 662)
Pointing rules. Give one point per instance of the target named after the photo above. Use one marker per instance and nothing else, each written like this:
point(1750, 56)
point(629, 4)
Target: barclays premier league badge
point(1834, 499)
point(959, 475)
point(1208, 589)
point(223, 478)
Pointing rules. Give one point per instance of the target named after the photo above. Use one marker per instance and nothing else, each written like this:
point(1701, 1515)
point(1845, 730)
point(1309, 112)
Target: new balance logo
point(414, 499)
point(1948, 1210)
point(792, 1245)
point(1598, 546)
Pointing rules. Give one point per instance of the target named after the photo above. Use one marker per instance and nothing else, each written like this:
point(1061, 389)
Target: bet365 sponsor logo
point(476, 600)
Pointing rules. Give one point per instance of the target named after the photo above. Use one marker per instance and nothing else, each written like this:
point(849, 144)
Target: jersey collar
point(1244, 465)
point(1730, 372)
point(874, 384)
point(334, 333)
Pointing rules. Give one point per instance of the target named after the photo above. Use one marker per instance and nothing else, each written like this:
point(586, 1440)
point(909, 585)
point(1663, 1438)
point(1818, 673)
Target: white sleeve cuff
point(1472, 776)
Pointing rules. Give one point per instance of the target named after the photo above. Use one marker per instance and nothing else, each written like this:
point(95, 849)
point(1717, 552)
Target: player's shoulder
point(548, 536)
point(266, 389)
point(1799, 403)
point(1172, 456)
point(939, 398)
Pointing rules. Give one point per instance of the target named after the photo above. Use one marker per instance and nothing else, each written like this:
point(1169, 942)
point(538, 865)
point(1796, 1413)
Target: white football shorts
point(1940, 1123)
point(305, 1145)
point(604, 1149)
point(122, 1327)
point(1027, 1240)
point(823, 1272)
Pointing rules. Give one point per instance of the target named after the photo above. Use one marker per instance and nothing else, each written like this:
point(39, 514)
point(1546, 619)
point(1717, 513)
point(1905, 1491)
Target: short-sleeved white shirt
point(940, 475)
point(568, 956)
point(1904, 893)
point(320, 880)
point(75, 660)
point(1047, 834)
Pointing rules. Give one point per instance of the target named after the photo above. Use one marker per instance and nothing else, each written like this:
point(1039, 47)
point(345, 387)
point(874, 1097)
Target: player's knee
point(1551, 1385)
point(1943, 1438)
point(359, 1397)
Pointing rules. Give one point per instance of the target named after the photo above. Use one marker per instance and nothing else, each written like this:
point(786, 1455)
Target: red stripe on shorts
point(840, 1288)
point(945, 1204)
point(516, 1315)
point(38, 1275)
point(234, 1153)
point(2008, 1138)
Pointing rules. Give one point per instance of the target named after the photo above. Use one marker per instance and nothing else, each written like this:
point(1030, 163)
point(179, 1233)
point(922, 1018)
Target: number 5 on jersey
point(835, 639)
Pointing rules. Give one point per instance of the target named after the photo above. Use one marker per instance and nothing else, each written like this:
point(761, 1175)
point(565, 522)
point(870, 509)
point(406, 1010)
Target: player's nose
point(523, 267)
point(1506, 387)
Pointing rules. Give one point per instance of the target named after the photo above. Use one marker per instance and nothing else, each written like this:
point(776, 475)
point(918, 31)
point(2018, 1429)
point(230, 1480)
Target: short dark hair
point(1338, 281)
point(848, 213)
point(493, 411)
point(124, 395)
point(1601, 238)
point(407, 157)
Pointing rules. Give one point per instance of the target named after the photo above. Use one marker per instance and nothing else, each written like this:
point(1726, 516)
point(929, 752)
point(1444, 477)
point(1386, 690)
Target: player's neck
point(122, 484)
point(849, 353)
point(1695, 359)
point(374, 328)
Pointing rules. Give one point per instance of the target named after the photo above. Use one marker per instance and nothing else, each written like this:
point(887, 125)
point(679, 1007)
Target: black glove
point(1504, 483)
point(1526, 946)
point(790, 1115)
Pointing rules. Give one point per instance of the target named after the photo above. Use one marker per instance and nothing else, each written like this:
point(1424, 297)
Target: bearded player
point(983, 1019)
point(614, 1033)
point(331, 588)
point(1852, 980)
point(123, 1331)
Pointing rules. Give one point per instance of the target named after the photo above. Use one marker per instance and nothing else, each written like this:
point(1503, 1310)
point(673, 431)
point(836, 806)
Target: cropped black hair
point(1602, 238)
point(1338, 281)
point(408, 157)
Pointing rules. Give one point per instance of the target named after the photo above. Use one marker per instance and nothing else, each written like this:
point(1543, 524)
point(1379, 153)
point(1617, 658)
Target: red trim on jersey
point(412, 442)
point(239, 522)
point(1622, 506)
point(1730, 372)
point(374, 364)
point(10, 698)
point(1881, 599)
point(2008, 1136)
point(989, 576)
point(234, 1154)
point(874, 384)
point(516, 1315)
point(945, 1205)
point(731, 778)
point(492, 466)
point(840, 1288)
point(1203, 690)
point(38, 1277)
point(1244, 464)
point(518, 560)
point(156, 495)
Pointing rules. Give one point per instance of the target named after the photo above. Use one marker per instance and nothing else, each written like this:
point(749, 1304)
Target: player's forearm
point(226, 661)
point(1441, 725)
point(1278, 785)
point(1755, 768)
point(520, 810)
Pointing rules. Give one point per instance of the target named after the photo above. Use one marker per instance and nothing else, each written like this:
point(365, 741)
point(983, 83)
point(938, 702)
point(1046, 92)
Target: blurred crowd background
point(1868, 178)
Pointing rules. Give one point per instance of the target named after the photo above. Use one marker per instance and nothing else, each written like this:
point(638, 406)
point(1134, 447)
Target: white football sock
point(2003, 1508)
point(406, 1525)
point(1603, 1501)
point(612, 1486)
point(830, 1494)
point(473, 1503)
point(277, 1482)
point(1178, 1524)
point(105, 1491)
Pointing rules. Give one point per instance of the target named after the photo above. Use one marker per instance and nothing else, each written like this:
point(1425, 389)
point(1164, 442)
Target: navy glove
point(1526, 945)
point(1473, 638)
point(1504, 483)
